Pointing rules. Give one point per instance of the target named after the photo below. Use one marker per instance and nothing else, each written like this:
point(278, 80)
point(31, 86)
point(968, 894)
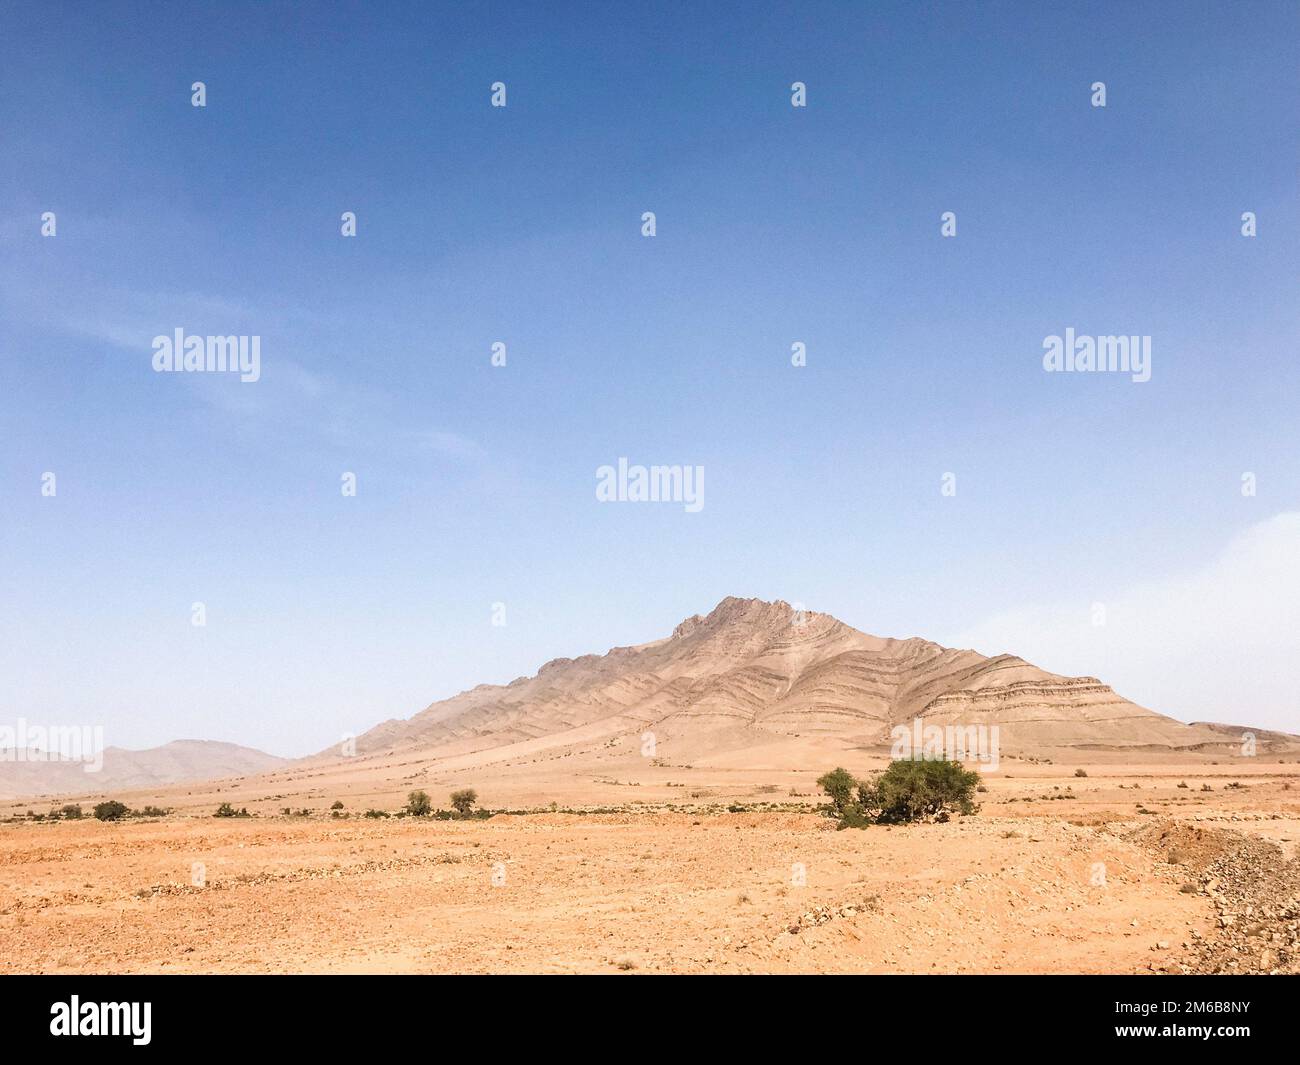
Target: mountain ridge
point(774, 670)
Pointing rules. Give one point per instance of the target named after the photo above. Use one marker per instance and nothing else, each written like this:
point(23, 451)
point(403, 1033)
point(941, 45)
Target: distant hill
point(172, 763)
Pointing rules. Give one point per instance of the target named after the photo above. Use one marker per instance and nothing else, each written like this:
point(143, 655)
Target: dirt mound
point(1255, 892)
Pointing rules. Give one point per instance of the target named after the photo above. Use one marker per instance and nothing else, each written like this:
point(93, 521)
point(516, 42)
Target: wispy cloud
point(293, 395)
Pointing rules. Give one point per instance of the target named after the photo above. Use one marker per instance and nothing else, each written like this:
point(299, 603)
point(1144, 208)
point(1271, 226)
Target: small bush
point(463, 801)
point(838, 784)
point(418, 804)
point(905, 792)
point(226, 810)
point(378, 813)
point(855, 816)
point(72, 811)
point(1080, 772)
point(337, 804)
point(111, 810)
point(924, 790)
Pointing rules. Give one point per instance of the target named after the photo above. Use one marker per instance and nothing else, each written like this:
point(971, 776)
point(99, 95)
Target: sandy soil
point(1135, 874)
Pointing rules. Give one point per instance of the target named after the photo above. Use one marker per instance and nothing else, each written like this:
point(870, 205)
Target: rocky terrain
point(1255, 890)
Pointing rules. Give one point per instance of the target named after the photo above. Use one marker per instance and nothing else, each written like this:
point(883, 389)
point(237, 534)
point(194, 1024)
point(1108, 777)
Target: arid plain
point(704, 852)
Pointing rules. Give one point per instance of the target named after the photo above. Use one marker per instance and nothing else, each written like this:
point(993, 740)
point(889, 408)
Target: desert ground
point(643, 867)
point(655, 809)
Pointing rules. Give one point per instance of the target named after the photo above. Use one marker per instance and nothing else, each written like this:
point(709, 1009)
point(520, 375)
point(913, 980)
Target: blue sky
point(521, 224)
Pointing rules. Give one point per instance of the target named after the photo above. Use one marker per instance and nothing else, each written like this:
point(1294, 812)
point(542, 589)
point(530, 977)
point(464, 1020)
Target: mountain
point(752, 673)
point(172, 763)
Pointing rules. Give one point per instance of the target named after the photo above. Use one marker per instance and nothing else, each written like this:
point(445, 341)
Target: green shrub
point(923, 790)
point(854, 816)
point(463, 801)
point(72, 811)
point(418, 804)
point(838, 784)
point(1080, 772)
point(226, 810)
point(337, 804)
point(377, 813)
point(907, 791)
point(111, 810)
point(474, 815)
